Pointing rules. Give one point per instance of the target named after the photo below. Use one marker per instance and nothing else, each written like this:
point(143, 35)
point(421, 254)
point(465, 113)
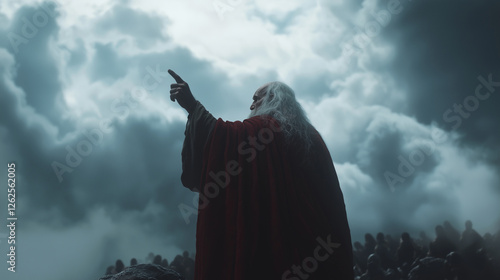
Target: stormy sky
point(405, 94)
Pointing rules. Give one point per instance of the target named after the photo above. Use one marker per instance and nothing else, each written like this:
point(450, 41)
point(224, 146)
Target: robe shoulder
point(200, 129)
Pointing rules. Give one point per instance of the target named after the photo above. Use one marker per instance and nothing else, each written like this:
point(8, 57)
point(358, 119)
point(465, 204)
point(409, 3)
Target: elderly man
point(270, 204)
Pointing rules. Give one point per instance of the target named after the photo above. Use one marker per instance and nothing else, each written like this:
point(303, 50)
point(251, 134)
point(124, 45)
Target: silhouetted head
point(185, 254)
point(157, 260)
point(119, 266)
point(177, 260)
point(358, 246)
point(439, 231)
point(405, 237)
point(369, 239)
point(380, 237)
point(277, 100)
point(468, 225)
point(164, 263)
point(133, 262)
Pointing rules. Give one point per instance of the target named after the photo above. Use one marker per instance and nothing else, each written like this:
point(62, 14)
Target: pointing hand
point(180, 91)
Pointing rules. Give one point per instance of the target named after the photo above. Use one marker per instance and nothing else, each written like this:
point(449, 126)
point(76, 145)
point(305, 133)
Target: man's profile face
point(257, 97)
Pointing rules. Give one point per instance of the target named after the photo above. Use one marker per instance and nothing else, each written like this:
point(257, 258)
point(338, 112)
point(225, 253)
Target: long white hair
point(280, 103)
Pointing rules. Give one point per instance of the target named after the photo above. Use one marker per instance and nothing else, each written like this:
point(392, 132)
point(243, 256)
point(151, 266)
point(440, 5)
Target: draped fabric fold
point(264, 212)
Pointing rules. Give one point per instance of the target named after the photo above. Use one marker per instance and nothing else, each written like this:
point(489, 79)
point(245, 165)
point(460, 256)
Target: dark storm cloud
point(212, 87)
point(209, 85)
point(313, 88)
point(134, 166)
point(379, 151)
point(106, 65)
point(78, 55)
point(28, 39)
point(145, 29)
point(29, 139)
point(130, 181)
point(442, 47)
point(4, 21)
point(399, 169)
point(280, 22)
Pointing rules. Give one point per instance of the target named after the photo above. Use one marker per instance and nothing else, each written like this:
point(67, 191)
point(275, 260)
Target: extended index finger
point(177, 78)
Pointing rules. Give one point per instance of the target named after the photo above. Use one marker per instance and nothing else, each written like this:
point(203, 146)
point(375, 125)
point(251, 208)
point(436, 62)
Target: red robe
point(265, 211)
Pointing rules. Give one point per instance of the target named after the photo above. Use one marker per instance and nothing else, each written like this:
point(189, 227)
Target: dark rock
point(145, 272)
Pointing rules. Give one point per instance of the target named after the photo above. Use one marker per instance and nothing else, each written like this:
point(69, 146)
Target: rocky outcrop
point(145, 272)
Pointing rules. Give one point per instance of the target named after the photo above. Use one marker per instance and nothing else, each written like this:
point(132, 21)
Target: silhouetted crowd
point(184, 264)
point(450, 256)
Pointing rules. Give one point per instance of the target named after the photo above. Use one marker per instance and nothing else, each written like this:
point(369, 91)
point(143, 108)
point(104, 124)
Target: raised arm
point(199, 126)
